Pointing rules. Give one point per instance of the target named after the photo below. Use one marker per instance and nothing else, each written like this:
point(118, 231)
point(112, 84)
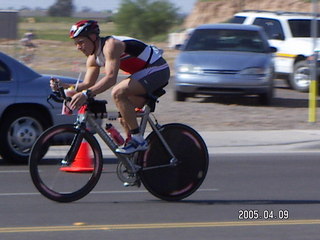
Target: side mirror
point(273, 49)
point(178, 46)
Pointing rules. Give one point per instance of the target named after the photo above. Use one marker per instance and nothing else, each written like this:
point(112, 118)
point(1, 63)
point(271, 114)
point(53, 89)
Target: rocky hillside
point(221, 10)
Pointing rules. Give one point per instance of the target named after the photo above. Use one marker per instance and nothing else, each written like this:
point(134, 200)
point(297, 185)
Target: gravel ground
point(289, 110)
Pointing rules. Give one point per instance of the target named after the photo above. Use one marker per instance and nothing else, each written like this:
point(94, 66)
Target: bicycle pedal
point(136, 183)
point(126, 184)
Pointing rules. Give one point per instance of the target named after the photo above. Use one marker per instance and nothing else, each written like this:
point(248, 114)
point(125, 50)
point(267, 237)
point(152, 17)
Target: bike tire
point(177, 182)
point(55, 180)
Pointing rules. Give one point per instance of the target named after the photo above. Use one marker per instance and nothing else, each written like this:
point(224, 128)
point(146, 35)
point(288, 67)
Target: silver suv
point(290, 33)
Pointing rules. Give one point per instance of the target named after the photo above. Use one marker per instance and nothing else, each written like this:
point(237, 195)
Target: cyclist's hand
point(77, 101)
point(55, 83)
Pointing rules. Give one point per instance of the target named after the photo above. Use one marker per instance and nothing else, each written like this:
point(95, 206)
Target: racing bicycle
point(172, 168)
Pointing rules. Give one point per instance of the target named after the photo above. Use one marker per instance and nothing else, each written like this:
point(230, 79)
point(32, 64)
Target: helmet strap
point(94, 45)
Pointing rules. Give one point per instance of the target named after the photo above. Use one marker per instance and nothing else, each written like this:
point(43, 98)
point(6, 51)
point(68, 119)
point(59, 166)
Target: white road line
point(14, 171)
point(98, 192)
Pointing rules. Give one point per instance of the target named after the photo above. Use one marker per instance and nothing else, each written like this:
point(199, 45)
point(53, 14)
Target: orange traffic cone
point(82, 161)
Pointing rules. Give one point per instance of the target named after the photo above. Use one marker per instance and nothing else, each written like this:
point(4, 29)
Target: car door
point(276, 36)
point(8, 87)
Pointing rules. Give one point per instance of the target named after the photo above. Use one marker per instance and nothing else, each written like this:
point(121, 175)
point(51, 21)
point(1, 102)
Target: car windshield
point(225, 40)
point(302, 27)
point(237, 19)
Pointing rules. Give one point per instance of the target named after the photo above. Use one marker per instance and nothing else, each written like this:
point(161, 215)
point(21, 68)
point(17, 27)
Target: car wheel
point(300, 78)
point(180, 96)
point(19, 130)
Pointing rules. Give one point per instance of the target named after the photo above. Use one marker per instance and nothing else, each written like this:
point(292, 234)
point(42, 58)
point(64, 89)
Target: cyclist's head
point(84, 28)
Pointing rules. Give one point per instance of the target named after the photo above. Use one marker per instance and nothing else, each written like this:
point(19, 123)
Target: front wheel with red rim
point(175, 182)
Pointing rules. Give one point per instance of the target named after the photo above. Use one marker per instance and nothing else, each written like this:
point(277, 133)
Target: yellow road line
point(286, 55)
point(84, 227)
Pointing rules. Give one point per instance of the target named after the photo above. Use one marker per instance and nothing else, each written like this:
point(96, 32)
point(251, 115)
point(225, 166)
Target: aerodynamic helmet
point(84, 28)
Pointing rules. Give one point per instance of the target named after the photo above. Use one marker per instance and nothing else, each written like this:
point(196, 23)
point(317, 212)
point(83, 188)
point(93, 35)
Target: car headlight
point(189, 69)
point(253, 71)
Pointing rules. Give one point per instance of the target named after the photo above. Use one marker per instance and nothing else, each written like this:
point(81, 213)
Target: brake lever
point(63, 94)
point(55, 96)
point(48, 101)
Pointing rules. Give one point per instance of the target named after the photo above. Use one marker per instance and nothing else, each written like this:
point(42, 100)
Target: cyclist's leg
point(127, 96)
point(129, 93)
point(137, 102)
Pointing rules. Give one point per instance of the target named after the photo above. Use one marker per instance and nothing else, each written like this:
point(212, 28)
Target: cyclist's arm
point(112, 50)
point(92, 74)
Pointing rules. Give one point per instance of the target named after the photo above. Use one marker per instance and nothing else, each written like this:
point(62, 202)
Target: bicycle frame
point(127, 161)
point(157, 168)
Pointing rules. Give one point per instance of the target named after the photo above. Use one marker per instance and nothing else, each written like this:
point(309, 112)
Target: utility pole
point(313, 89)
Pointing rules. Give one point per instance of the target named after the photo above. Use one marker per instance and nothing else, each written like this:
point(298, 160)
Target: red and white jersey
point(137, 55)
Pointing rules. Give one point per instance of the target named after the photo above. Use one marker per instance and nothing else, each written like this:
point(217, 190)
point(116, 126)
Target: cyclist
point(149, 72)
point(29, 47)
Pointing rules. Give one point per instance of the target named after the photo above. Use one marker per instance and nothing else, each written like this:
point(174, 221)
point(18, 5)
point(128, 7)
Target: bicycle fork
point(75, 145)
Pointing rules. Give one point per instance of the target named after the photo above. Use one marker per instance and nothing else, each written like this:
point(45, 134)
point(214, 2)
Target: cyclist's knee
point(119, 92)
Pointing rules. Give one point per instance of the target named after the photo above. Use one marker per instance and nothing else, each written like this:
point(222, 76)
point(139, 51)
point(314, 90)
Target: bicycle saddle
point(153, 98)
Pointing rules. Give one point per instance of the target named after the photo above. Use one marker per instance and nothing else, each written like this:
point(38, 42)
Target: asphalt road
point(281, 190)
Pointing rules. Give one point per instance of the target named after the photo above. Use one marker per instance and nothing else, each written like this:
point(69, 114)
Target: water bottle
point(118, 139)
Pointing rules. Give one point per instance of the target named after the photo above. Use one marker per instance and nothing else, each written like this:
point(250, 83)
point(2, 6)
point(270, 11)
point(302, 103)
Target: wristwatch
point(88, 93)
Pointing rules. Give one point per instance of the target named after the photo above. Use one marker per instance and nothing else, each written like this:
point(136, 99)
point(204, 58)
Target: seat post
point(149, 107)
point(144, 119)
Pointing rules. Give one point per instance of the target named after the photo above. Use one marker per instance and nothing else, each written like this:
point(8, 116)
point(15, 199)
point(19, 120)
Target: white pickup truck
point(290, 33)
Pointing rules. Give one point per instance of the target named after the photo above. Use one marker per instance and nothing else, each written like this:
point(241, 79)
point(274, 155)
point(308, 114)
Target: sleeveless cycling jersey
point(137, 55)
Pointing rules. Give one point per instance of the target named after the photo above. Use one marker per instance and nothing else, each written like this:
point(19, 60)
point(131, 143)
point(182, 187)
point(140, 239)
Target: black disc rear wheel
point(174, 183)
